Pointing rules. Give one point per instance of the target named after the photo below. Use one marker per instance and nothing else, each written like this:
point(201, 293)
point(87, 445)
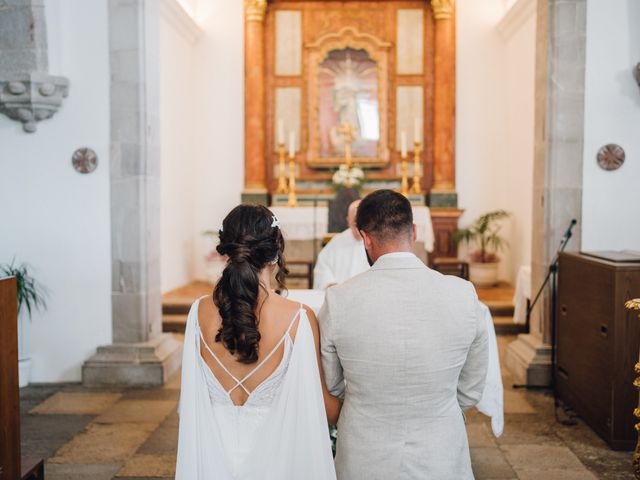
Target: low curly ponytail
point(250, 242)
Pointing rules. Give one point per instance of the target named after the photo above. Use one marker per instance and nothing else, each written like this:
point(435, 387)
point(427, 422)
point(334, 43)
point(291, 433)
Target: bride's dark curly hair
point(250, 242)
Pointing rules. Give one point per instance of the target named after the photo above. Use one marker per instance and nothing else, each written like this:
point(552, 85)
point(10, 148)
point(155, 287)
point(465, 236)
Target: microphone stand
point(552, 274)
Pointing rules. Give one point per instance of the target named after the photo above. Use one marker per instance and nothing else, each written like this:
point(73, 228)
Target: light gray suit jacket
point(407, 346)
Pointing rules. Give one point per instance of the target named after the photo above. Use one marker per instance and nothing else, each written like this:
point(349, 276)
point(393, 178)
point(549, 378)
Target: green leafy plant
point(31, 294)
point(484, 234)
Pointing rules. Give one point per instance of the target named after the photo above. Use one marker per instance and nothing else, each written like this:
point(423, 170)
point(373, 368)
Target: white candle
point(280, 132)
point(403, 144)
point(416, 130)
point(292, 144)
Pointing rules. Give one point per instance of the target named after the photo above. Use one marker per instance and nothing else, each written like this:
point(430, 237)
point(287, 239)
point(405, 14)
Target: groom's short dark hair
point(385, 214)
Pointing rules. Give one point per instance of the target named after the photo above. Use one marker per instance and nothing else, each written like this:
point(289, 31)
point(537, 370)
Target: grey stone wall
point(23, 37)
point(28, 93)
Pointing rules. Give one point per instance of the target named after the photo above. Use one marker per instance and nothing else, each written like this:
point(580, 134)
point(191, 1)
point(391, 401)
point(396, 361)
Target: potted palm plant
point(31, 295)
point(483, 236)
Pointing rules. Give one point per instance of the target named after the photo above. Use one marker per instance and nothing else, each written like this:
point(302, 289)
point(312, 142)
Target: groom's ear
point(365, 238)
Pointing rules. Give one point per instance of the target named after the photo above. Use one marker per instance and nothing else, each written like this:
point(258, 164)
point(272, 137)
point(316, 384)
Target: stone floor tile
point(77, 403)
point(516, 402)
point(149, 465)
point(134, 411)
point(174, 381)
point(556, 474)
point(42, 435)
point(541, 457)
point(164, 439)
point(530, 430)
point(479, 435)
point(490, 463)
point(155, 394)
point(104, 444)
point(54, 471)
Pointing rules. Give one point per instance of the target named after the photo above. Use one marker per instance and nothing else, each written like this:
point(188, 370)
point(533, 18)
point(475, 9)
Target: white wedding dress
point(279, 433)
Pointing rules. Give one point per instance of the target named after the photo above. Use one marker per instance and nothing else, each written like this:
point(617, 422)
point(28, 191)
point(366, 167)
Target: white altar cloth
point(523, 291)
point(307, 223)
point(492, 401)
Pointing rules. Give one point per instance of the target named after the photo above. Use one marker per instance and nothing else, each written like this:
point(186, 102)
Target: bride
point(253, 402)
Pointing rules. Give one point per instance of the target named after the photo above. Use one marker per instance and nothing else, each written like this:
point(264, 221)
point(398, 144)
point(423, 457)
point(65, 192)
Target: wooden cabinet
point(598, 343)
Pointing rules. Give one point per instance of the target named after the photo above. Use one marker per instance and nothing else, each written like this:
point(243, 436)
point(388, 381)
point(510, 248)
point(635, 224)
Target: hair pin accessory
point(275, 222)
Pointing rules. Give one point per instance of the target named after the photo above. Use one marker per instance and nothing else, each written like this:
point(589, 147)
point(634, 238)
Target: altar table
point(308, 223)
point(492, 401)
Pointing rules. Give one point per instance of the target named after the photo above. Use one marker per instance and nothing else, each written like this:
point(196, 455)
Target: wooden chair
point(451, 266)
point(305, 273)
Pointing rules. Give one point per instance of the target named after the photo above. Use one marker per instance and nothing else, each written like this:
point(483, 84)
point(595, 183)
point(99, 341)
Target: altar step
point(176, 305)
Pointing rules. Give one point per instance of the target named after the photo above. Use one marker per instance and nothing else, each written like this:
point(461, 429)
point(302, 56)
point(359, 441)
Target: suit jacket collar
point(391, 263)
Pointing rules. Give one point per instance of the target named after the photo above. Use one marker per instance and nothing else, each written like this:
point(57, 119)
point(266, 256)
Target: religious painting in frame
point(347, 85)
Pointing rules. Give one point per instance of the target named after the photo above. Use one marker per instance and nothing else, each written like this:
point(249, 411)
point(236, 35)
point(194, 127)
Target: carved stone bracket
point(32, 97)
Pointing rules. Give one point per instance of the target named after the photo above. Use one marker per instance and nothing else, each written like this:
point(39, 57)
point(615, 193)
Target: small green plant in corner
point(31, 294)
point(484, 235)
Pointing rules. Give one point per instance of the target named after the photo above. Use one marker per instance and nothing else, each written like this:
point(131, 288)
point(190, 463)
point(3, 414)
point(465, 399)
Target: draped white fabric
point(306, 223)
point(286, 438)
point(492, 401)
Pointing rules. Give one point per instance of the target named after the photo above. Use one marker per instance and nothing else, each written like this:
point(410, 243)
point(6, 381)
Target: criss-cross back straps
point(240, 383)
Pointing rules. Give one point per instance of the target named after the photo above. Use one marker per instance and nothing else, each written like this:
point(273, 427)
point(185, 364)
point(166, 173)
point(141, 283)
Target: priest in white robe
point(343, 257)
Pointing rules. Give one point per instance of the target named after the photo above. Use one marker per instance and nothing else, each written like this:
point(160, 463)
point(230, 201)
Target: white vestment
point(280, 432)
point(341, 259)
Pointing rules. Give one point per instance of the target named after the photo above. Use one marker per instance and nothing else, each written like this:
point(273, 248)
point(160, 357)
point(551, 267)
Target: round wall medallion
point(610, 157)
point(84, 160)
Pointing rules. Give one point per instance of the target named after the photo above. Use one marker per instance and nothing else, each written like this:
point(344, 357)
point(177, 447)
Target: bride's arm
point(332, 404)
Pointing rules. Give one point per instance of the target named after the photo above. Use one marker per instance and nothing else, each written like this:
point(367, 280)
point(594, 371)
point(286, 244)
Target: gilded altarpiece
point(347, 73)
point(384, 67)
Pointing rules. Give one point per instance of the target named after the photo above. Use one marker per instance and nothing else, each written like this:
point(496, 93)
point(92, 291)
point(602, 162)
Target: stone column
point(558, 163)
point(255, 186)
point(443, 190)
point(141, 354)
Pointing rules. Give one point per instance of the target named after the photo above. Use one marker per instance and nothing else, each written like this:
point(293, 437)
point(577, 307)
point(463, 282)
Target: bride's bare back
point(275, 317)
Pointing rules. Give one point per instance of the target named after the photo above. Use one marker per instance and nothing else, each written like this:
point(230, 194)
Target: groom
point(407, 347)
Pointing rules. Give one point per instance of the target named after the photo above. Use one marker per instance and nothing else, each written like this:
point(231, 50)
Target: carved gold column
point(255, 171)
point(635, 305)
point(444, 96)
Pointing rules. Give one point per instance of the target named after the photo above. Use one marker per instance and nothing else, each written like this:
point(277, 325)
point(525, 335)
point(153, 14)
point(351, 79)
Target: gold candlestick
point(282, 175)
point(417, 174)
point(404, 170)
point(634, 305)
point(293, 199)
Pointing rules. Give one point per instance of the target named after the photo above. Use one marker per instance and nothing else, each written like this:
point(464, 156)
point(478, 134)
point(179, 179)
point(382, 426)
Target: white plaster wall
point(54, 218)
point(494, 123)
point(178, 155)
point(518, 165)
point(219, 125)
point(610, 200)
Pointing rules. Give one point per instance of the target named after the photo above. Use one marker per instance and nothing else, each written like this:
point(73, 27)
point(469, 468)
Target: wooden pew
point(12, 467)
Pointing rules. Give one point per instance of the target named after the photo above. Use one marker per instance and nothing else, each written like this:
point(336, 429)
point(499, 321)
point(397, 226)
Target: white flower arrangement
point(345, 177)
